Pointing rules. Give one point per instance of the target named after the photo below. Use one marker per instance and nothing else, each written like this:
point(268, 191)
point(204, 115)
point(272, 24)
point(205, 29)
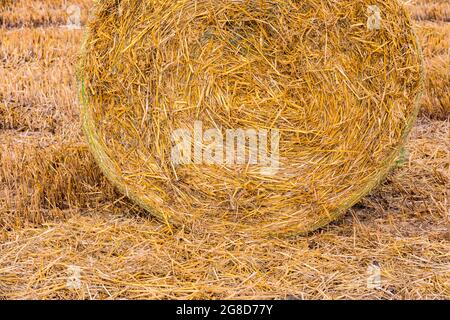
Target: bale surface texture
point(342, 92)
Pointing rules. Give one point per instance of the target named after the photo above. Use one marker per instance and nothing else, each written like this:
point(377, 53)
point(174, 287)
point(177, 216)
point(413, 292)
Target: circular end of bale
point(255, 117)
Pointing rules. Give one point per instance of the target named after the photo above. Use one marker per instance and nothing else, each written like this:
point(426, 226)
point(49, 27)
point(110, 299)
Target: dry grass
point(57, 209)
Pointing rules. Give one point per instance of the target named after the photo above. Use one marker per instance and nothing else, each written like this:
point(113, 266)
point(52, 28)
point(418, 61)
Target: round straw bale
point(331, 88)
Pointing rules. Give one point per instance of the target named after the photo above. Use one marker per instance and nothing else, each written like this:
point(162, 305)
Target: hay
point(403, 226)
point(343, 96)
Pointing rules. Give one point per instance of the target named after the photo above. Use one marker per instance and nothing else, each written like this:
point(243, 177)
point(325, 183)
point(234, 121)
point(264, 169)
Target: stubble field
point(58, 213)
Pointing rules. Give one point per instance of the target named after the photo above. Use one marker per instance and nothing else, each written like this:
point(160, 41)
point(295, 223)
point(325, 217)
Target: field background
point(59, 214)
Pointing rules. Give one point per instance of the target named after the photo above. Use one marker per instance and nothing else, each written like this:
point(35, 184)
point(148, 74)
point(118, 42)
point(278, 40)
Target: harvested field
point(436, 102)
point(434, 37)
point(35, 13)
point(57, 210)
point(429, 10)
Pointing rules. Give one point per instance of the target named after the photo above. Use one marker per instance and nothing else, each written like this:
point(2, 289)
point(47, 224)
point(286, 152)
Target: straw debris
point(58, 211)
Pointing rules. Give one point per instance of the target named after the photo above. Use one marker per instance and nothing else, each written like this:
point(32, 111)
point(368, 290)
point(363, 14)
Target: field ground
point(58, 213)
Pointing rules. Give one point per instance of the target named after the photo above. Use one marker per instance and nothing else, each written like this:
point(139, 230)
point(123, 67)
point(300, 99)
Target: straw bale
point(343, 96)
